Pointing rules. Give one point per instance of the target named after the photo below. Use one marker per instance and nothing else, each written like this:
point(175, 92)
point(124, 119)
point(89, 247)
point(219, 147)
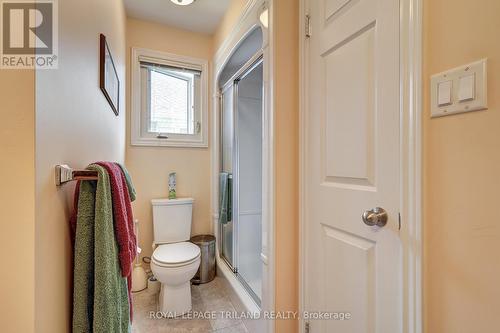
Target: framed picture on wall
point(108, 77)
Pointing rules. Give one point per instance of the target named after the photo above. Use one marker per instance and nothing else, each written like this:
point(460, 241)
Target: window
point(169, 100)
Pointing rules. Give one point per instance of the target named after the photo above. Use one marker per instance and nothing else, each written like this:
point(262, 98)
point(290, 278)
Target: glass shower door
point(241, 159)
point(248, 175)
point(227, 151)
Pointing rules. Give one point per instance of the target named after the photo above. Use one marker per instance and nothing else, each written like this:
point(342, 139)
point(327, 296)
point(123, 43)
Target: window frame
point(140, 112)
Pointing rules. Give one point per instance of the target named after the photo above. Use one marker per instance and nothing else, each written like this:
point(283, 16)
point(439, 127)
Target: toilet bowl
point(174, 265)
point(175, 260)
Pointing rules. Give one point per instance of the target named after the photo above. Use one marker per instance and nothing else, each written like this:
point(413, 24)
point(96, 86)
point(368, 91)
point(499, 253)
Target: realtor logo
point(29, 34)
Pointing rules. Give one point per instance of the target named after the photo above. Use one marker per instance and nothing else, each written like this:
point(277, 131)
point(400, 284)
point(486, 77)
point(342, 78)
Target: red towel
point(124, 222)
point(122, 215)
point(74, 215)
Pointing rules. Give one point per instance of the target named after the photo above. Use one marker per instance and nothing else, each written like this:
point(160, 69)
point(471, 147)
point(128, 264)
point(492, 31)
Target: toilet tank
point(172, 220)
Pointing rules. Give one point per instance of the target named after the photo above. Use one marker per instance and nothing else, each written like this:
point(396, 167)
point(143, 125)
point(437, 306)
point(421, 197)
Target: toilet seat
point(176, 254)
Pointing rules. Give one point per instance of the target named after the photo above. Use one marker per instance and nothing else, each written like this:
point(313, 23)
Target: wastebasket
point(206, 271)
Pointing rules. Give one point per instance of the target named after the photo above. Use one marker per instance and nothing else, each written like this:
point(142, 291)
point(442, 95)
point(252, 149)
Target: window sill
point(153, 142)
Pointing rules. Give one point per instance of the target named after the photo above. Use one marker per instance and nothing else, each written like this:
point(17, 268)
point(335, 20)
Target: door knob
point(376, 216)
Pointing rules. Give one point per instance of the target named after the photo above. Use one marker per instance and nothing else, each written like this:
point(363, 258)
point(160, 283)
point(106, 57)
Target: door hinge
point(399, 220)
point(308, 26)
point(307, 327)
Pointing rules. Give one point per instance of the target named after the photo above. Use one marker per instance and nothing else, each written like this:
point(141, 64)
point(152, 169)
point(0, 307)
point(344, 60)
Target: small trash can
point(206, 271)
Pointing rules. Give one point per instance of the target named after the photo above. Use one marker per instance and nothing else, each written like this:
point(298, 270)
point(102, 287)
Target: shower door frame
point(246, 23)
point(220, 246)
point(255, 61)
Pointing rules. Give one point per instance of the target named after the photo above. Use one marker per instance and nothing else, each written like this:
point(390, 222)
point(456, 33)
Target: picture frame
point(108, 76)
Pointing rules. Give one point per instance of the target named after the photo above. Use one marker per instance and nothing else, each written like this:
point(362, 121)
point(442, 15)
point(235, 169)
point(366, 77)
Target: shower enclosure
point(240, 230)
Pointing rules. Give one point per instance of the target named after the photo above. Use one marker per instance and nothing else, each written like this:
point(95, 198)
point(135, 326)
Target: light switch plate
point(478, 71)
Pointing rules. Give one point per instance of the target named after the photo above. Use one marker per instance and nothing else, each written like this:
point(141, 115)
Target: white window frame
point(139, 113)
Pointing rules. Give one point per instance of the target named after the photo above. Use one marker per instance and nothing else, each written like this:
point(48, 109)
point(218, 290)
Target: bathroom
point(281, 165)
point(213, 46)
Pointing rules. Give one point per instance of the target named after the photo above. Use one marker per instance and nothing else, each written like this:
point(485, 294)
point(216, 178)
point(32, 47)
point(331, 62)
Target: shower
point(241, 137)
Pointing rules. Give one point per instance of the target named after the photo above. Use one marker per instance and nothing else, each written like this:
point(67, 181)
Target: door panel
point(335, 7)
point(227, 136)
point(349, 111)
point(352, 165)
point(227, 151)
point(248, 141)
point(352, 271)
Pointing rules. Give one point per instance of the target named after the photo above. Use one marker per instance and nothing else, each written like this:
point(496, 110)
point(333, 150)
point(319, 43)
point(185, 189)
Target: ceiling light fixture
point(183, 2)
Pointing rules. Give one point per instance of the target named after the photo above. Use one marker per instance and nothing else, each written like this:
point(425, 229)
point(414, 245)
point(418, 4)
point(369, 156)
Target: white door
point(352, 166)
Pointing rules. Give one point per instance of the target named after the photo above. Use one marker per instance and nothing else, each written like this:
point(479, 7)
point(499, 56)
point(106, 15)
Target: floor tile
point(207, 298)
point(233, 329)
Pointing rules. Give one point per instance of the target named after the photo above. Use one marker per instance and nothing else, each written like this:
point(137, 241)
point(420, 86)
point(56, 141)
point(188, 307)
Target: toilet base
point(175, 301)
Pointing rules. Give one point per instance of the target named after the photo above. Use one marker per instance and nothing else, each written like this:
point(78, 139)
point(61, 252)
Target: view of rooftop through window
point(171, 102)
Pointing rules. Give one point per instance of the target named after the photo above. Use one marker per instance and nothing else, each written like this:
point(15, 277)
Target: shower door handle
point(229, 198)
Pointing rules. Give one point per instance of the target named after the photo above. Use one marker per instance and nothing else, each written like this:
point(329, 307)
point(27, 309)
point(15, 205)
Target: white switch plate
point(479, 102)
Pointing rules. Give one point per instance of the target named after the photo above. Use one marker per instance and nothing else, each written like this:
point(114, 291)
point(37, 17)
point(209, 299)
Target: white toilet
point(175, 260)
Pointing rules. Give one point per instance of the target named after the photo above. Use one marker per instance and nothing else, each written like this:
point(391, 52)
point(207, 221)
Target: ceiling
point(202, 16)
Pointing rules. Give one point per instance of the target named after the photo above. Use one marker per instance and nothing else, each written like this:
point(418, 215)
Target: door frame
point(254, 62)
point(410, 158)
point(246, 22)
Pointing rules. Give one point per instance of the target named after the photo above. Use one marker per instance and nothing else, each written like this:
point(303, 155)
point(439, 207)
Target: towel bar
point(65, 174)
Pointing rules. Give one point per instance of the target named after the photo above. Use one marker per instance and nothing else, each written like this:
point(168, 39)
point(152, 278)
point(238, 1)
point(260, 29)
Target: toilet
point(175, 260)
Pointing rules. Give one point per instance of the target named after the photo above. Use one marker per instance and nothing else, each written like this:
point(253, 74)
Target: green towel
point(225, 209)
point(100, 297)
point(131, 189)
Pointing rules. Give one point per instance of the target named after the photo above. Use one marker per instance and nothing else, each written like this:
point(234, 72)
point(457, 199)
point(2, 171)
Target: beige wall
point(17, 200)
point(150, 166)
point(227, 23)
point(461, 183)
point(286, 37)
point(74, 125)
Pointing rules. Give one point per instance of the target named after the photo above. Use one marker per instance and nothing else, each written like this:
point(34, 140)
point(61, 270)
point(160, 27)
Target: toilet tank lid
point(169, 202)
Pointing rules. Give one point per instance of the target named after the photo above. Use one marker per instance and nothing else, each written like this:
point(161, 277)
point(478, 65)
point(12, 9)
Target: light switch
point(444, 93)
point(460, 89)
point(466, 88)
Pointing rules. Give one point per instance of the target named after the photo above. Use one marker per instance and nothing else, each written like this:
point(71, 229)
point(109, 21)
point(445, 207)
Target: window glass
point(171, 102)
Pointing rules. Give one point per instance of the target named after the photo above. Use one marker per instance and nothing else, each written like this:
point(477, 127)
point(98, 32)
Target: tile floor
point(211, 296)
